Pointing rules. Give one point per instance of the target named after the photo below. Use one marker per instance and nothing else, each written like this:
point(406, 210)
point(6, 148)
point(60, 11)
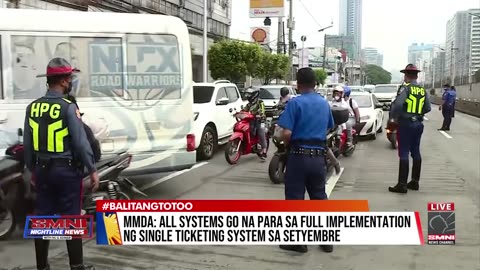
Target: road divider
point(470, 107)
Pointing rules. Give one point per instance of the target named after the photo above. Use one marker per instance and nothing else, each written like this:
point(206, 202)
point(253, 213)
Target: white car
point(385, 93)
point(357, 88)
point(214, 105)
point(371, 114)
point(270, 94)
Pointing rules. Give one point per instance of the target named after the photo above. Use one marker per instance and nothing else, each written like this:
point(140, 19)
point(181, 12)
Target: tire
point(208, 144)
point(373, 136)
point(122, 196)
point(380, 130)
point(8, 219)
point(350, 152)
point(393, 143)
point(276, 170)
point(232, 145)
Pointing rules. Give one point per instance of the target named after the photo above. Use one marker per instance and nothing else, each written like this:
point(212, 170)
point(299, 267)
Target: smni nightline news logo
point(58, 227)
point(441, 223)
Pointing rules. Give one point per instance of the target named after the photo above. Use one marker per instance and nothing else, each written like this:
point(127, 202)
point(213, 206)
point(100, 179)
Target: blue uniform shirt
point(449, 97)
point(80, 144)
point(308, 116)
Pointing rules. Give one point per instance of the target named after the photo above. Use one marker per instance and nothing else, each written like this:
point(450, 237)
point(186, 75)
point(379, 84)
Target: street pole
point(433, 72)
point(279, 35)
point(303, 39)
point(205, 41)
point(290, 38)
point(324, 51)
point(2, 4)
point(451, 65)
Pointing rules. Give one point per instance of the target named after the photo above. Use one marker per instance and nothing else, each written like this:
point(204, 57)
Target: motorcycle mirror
point(20, 132)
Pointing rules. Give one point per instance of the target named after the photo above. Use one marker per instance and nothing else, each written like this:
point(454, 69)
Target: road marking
point(332, 181)
point(425, 118)
point(445, 134)
point(172, 175)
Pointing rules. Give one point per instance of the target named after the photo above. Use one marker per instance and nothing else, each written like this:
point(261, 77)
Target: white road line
point(170, 176)
point(425, 118)
point(332, 181)
point(445, 134)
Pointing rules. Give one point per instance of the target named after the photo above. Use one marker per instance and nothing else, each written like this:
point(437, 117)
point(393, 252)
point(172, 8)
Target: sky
point(388, 25)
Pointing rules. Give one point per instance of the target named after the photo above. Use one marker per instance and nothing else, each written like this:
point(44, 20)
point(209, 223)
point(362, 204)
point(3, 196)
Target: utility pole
point(290, 38)
point(205, 41)
point(2, 4)
point(279, 36)
point(324, 51)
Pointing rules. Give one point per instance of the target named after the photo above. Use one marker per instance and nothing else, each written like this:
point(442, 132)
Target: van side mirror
point(223, 101)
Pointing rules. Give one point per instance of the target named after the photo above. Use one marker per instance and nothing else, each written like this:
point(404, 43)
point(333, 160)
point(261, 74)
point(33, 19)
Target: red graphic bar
point(441, 207)
point(233, 206)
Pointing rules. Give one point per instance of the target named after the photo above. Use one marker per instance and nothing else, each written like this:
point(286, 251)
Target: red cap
point(59, 66)
point(410, 68)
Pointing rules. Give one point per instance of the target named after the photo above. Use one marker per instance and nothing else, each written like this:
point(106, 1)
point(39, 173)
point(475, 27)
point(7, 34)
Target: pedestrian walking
point(56, 151)
point(408, 109)
point(305, 122)
point(448, 106)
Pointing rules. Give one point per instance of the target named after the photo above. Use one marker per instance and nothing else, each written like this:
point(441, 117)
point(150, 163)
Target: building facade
point(380, 60)
point(457, 47)
point(351, 23)
point(190, 11)
point(475, 43)
point(371, 56)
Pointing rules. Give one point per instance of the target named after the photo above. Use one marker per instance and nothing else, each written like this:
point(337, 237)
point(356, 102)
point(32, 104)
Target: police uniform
point(448, 107)
point(56, 148)
point(408, 109)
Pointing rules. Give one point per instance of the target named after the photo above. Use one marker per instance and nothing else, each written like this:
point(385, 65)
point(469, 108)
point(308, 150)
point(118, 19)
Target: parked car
point(371, 114)
point(385, 93)
point(369, 88)
point(357, 88)
point(270, 94)
point(214, 105)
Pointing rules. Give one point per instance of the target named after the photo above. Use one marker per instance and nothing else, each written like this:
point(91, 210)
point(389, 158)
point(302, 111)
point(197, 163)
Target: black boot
point(416, 169)
point(296, 248)
point(41, 254)
point(82, 267)
point(401, 186)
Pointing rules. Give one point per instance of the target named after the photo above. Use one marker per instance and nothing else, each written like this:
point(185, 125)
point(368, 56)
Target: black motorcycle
point(17, 200)
point(392, 133)
point(276, 168)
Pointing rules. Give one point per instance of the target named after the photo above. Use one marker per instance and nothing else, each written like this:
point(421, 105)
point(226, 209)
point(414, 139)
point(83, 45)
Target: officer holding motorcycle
point(408, 109)
point(305, 122)
point(56, 159)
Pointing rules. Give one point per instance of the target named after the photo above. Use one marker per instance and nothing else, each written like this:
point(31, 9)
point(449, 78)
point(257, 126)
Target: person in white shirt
point(339, 101)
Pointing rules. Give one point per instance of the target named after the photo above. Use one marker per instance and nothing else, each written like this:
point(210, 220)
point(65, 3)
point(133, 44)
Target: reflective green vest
point(47, 121)
point(415, 99)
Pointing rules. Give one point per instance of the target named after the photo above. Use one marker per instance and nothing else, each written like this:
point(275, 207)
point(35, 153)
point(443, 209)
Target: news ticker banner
point(208, 222)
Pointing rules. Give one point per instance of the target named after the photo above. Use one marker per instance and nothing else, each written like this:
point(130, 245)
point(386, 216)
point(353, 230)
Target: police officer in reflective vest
point(305, 121)
point(408, 109)
point(56, 151)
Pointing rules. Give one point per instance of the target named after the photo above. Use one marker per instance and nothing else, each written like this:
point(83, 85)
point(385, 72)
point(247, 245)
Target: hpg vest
point(415, 99)
point(47, 120)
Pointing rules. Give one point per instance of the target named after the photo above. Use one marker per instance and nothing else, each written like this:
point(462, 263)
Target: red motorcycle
point(341, 143)
point(242, 142)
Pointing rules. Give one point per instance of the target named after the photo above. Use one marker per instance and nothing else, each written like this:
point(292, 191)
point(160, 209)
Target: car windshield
point(270, 93)
point(385, 89)
point(363, 101)
point(202, 94)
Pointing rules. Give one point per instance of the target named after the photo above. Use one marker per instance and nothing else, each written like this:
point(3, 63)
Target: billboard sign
point(266, 8)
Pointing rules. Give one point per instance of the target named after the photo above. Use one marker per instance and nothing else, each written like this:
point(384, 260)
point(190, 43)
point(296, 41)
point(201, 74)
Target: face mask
point(337, 98)
point(69, 88)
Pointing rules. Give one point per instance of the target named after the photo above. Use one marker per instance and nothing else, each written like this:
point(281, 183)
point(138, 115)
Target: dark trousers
point(409, 135)
point(447, 112)
point(59, 192)
point(305, 172)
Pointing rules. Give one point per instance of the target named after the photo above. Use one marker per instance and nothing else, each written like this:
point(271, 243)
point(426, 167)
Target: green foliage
point(377, 75)
point(233, 60)
point(320, 75)
point(272, 66)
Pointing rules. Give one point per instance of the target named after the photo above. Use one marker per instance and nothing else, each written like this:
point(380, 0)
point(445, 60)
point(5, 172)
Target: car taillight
point(190, 142)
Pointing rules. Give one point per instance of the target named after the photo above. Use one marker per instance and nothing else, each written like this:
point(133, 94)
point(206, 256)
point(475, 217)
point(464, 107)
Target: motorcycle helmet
point(338, 92)
point(347, 92)
point(252, 95)
point(284, 91)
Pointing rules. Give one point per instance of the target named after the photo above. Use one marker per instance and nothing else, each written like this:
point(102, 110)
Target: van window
point(232, 94)
point(152, 66)
point(221, 94)
point(92, 55)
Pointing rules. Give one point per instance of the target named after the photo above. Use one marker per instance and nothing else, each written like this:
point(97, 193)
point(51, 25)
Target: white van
point(135, 80)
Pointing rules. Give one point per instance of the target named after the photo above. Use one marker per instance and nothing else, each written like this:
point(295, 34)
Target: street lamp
point(303, 39)
point(325, 45)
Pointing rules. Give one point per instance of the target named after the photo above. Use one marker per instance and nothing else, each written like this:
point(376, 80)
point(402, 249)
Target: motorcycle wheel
point(7, 223)
point(394, 143)
point(122, 196)
point(231, 154)
point(349, 152)
point(276, 170)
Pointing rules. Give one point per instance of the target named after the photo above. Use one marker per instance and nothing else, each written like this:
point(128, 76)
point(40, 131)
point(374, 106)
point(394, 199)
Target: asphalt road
point(450, 174)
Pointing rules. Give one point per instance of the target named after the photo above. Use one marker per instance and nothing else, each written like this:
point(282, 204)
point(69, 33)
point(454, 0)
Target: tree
point(320, 75)
point(272, 66)
point(233, 60)
point(377, 75)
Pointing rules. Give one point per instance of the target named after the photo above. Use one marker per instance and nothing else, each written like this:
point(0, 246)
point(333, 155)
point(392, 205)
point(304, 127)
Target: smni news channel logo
point(441, 223)
point(58, 227)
